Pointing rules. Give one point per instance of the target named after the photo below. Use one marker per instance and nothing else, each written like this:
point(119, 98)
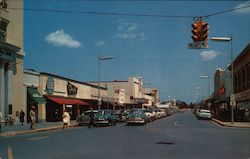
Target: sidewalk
point(18, 129)
point(235, 124)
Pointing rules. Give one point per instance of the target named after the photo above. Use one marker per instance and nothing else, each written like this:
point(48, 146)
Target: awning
point(67, 101)
point(35, 95)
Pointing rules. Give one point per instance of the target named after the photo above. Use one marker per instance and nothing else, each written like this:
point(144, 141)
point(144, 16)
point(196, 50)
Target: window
point(239, 81)
point(235, 83)
point(3, 29)
point(243, 79)
point(248, 76)
point(3, 4)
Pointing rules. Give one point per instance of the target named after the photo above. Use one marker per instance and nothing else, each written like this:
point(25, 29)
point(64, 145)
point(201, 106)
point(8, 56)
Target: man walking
point(91, 117)
point(21, 117)
point(32, 118)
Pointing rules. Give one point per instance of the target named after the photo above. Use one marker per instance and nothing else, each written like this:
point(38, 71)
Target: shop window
point(3, 29)
point(10, 109)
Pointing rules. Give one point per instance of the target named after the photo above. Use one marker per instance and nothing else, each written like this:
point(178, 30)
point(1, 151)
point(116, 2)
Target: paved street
point(177, 136)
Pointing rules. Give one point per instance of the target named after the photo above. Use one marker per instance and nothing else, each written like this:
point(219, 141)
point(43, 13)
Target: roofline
point(72, 80)
point(115, 81)
point(242, 53)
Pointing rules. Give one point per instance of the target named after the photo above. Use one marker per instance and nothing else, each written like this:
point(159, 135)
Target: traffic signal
point(204, 31)
point(196, 30)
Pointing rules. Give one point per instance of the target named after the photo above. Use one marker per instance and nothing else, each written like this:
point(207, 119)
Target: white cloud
point(60, 38)
point(100, 43)
point(127, 30)
point(209, 55)
point(244, 10)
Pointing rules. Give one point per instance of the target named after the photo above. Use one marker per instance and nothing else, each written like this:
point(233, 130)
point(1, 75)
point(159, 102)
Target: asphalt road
point(175, 137)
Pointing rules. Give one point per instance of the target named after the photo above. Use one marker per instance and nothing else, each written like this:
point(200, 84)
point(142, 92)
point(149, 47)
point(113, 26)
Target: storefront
point(56, 105)
point(34, 98)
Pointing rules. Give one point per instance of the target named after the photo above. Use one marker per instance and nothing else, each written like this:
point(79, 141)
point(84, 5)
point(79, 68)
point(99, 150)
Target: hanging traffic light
point(196, 30)
point(204, 31)
point(200, 34)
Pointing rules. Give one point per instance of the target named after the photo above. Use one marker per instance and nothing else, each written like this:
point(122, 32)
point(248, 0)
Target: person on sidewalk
point(1, 116)
point(32, 118)
point(21, 117)
point(91, 118)
point(66, 119)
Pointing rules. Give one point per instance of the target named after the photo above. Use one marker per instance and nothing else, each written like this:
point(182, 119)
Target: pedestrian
point(21, 117)
point(66, 119)
point(1, 116)
point(32, 117)
point(91, 117)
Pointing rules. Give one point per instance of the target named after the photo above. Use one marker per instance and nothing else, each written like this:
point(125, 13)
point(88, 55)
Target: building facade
point(51, 94)
point(241, 73)
point(241, 89)
point(11, 58)
point(130, 93)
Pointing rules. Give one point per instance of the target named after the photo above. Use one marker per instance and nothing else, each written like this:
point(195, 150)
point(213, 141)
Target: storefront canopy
point(67, 101)
point(35, 95)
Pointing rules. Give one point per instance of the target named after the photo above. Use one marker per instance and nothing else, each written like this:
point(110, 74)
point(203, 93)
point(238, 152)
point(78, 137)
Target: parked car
point(137, 116)
point(204, 114)
point(124, 115)
point(149, 115)
point(84, 118)
point(105, 117)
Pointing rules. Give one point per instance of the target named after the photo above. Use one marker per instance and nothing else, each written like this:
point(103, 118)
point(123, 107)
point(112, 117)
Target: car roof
point(204, 110)
point(94, 111)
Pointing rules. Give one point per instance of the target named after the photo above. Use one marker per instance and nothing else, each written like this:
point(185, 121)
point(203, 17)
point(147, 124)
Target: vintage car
point(84, 118)
point(105, 117)
point(204, 114)
point(137, 116)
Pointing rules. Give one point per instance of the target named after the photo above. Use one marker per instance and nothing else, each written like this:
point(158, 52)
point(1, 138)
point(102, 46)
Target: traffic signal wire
point(226, 11)
point(127, 14)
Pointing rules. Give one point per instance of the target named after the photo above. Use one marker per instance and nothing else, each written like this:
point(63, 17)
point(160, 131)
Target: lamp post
point(207, 77)
point(101, 58)
point(201, 90)
point(232, 98)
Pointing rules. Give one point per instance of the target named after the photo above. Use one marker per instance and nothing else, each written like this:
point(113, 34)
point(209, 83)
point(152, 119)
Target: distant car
point(204, 114)
point(84, 118)
point(105, 117)
point(137, 116)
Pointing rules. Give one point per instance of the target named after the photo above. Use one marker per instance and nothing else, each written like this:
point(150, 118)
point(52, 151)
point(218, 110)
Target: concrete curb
point(21, 132)
point(229, 124)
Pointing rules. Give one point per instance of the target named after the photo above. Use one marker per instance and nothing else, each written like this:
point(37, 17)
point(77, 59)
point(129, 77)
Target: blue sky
point(155, 48)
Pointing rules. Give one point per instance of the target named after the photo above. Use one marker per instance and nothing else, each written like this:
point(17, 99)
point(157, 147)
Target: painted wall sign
point(71, 89)
point(50, 85)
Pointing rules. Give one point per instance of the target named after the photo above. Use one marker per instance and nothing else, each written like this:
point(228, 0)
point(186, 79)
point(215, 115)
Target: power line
point(127, 14)
point(226, 11)
point(105, 13)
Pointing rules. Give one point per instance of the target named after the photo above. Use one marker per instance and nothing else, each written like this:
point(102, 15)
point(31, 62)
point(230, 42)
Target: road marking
point(37, 138)
point(176, 124)
point(10, 153)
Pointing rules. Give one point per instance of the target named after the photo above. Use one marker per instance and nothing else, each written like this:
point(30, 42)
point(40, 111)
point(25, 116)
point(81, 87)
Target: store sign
point(50, 85)
point(71, 89)
point(140, 100)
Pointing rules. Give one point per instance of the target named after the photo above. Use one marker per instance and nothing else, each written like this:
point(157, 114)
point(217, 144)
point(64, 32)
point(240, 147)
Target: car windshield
point(137, 111)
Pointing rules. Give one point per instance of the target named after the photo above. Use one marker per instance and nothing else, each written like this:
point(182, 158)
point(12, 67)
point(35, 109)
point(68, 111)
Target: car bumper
point(101, 122)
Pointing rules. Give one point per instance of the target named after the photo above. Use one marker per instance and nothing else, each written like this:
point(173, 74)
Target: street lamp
point(207, 77)
point(101, 58)
point(200, 89)
point(232, 98)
